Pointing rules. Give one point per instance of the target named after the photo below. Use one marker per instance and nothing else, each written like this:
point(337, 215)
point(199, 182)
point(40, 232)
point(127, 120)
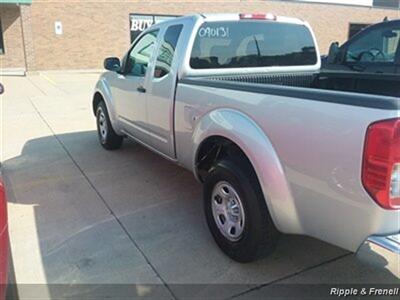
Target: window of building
point(221, 45)
point(139, 56)
point(167, 50)
point(356, 28)
point(1, 39)
point(387, 3)
point(140, 22)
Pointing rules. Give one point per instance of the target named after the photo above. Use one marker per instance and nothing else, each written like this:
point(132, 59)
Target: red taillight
point(381, 164)
point(3, 206)
point(269, 16)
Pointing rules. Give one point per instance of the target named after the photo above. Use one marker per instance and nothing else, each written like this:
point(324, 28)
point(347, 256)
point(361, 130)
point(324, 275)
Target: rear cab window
point(232, 44)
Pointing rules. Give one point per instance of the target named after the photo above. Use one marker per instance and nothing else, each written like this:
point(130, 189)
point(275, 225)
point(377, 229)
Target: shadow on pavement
point(80, 215)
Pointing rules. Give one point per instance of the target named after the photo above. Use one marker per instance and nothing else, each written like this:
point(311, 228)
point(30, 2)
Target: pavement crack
point(39, 89)
point(130, 237)
point(258, 287)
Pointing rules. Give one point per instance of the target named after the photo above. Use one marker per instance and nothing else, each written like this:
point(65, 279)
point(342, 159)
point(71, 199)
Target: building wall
point(331, 22)
point(344, 2)
point(12, 36)
point(93, 30)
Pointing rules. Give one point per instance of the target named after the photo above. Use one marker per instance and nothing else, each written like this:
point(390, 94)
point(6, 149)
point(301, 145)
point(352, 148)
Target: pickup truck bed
point(315, 141)
point(304, 86)
point(389, 84)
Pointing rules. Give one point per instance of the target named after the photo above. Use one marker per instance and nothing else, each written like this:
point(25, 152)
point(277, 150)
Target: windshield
point(252, 44)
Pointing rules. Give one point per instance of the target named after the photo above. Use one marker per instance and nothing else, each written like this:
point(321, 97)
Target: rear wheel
point(236, 212)
point(107, 136)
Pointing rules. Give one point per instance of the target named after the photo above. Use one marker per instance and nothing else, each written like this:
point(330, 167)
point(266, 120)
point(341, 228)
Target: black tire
point(107, 136)
point(259, 235)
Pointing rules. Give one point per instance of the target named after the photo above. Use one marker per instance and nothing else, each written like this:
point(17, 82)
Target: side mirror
point(333, 53)
point(112, 64)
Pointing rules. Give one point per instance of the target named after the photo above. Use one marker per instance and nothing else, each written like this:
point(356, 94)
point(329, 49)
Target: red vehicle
point(3, 240)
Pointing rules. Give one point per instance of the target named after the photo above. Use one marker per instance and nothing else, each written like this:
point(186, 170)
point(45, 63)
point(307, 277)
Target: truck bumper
point(389, 243)
point(382, 251)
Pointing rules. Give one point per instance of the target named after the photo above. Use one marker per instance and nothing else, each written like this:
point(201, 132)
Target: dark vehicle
point(369, 62)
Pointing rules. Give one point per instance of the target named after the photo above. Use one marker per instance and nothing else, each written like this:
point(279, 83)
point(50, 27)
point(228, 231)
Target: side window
point(379, 45)
point(138, 58)
point(167, 50)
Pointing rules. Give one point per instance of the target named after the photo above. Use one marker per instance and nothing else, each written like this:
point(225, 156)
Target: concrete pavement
point(80, 214)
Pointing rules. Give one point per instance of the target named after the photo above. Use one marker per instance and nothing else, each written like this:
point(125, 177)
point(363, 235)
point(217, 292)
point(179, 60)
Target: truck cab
point(142, 85)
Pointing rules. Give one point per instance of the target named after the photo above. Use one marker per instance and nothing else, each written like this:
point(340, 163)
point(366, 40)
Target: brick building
point(64, 34)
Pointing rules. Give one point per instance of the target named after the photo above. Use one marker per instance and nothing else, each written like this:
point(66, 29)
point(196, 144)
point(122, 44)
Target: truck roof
point(237, 17)
point(214, 17)
point(196, 20)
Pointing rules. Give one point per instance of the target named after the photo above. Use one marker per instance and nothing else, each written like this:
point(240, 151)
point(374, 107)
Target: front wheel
point(107, 136)
point(236, 212)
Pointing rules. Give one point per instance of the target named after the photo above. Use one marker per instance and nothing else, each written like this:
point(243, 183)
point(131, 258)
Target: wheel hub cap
point(228, 212)
point(102, 124)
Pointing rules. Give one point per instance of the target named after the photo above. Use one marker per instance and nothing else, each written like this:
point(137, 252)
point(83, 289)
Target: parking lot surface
point(81, 215)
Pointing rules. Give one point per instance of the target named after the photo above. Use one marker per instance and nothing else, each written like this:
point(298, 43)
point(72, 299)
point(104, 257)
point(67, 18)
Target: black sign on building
point(140, 22)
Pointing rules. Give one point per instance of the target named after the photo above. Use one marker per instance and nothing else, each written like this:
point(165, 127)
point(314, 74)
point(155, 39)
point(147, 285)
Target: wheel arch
point(103, 93)
point(213, 148)
point(234, 128)
point(97, 98)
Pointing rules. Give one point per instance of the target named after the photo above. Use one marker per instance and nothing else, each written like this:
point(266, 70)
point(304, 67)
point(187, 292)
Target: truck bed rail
point(301, 93)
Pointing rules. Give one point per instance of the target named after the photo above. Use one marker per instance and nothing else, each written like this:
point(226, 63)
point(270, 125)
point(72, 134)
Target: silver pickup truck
point(235, 98)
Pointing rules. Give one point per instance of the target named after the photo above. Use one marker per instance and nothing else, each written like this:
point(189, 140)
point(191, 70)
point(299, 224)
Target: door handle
point(141, 89)
point(358, 68)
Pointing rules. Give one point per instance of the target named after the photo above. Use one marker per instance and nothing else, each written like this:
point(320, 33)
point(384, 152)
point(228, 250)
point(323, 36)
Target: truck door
point(161, 92)
point(130, 86)
point(374, 51)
